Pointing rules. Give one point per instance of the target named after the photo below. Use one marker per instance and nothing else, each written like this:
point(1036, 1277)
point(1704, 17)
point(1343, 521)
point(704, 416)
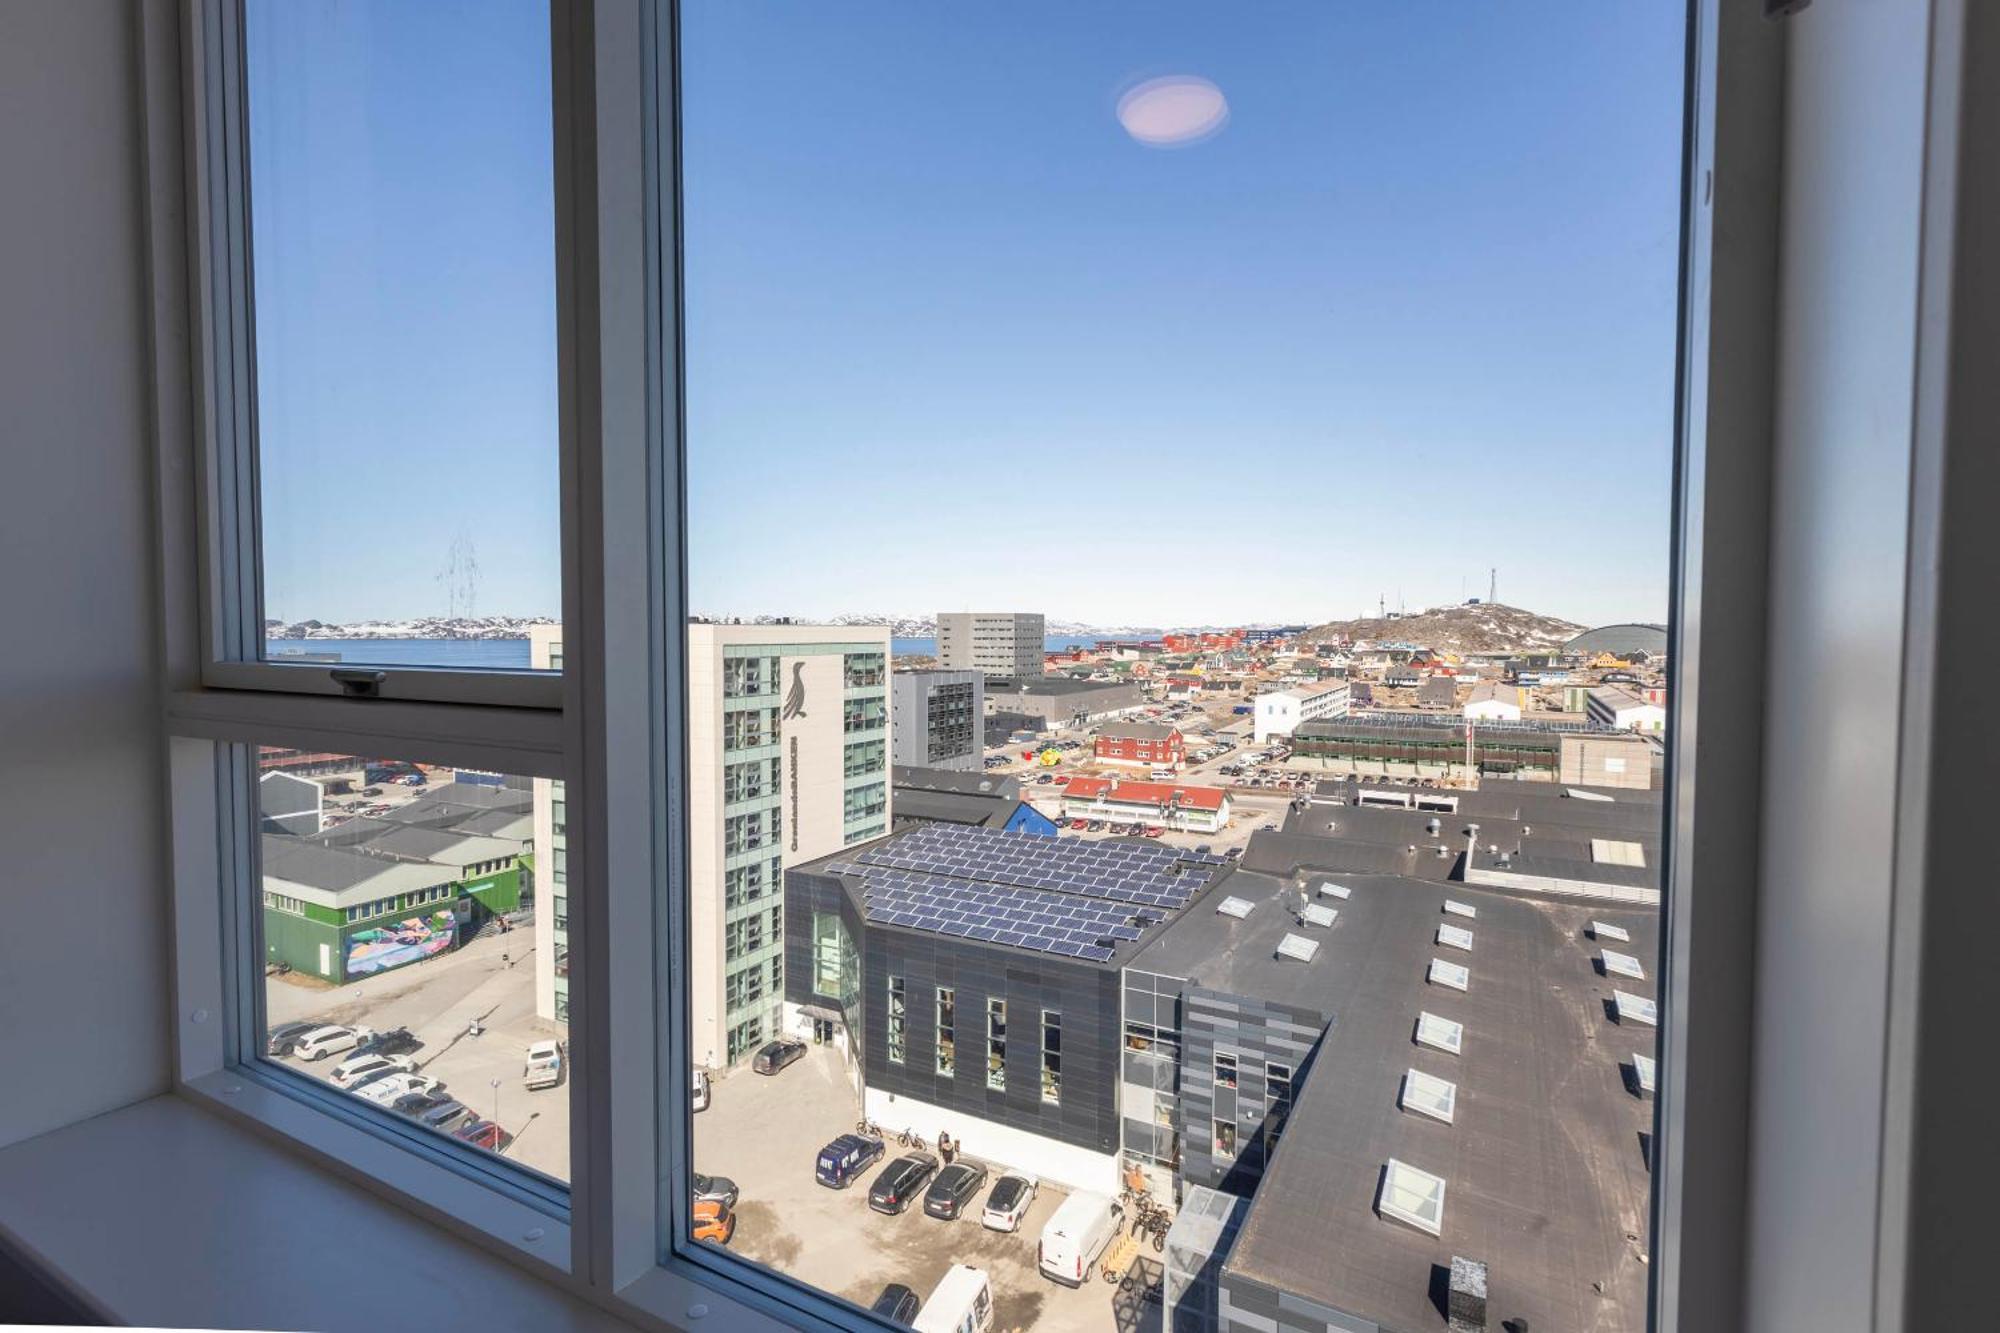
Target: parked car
point(1008, 1203)
point(953, 1189)
point(713, 1222)
point(1075, 1236)
point(330, 1040)
point(898, 1183)
point(775, 1055)
point(447, 1116)
point(1095, 826)
point(484, 1134)
point(419, 1104)
point(545, 1065)
point(371, 791)
point(359, 1069)
point(897, 1303)
point(715, 1189)
point(385, 1090)
point(284, 1038)
point(700, 1093)
point(841, 1162)
point(961, 1302)
point(1079, 824)
point(1044, 780)
point(396, 1041)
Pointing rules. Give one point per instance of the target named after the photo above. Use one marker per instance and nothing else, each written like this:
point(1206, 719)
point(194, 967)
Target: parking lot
point(765, 1133)
point(491, 979)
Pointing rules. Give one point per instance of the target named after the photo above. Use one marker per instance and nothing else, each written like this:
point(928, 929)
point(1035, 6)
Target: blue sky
point(956, 339)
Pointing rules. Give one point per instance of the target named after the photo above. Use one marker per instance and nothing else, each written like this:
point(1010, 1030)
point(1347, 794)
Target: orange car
point(713, 1221)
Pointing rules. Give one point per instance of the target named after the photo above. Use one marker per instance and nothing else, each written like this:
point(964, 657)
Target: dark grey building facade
point(937, 719)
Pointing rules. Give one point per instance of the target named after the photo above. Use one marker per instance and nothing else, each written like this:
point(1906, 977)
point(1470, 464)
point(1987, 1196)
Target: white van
point(1075, 1236)
point(545, 1065)
point(962, 1302)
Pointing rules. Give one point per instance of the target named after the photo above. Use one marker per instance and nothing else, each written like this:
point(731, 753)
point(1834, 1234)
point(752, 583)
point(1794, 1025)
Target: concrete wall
point(83, 963)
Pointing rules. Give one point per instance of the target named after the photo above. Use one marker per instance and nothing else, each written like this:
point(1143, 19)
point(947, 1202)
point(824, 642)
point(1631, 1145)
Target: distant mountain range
point(1488, 627)
point(424, 627)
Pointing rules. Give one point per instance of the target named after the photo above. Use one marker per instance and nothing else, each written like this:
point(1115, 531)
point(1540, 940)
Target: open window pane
point(410, 959)
point(403, 286)
point(1244, 414)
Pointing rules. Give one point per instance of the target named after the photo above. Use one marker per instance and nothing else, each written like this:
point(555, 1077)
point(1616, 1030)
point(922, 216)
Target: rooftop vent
point(1298, 948)
point(1454, 937)
point(1621, 965)
point(1427, 1094)
point(1440, 1034)
point(1642, 1065)
point(1634, 1008)
point(1452, 975)
point(1460, 909)
point(1236, 907)
point(1317, 914)
point(1467, 1301)
point(1328, 889)
point(1412, 1196)
point(1604, 931)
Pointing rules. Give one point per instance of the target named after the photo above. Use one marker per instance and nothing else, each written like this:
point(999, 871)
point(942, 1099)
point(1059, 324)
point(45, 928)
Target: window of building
point(1051, 1057)
point(947, 1046)
point(864, 714)
point(1225, 1137)
point(828, 953)
point(996, 1045)
point(898, 1022)
point(863, 669)
point(1225, 1070)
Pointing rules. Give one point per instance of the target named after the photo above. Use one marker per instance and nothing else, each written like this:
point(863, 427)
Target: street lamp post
point(496, 1099)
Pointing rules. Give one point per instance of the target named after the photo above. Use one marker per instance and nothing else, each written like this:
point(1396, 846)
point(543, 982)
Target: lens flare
point(1173, 111)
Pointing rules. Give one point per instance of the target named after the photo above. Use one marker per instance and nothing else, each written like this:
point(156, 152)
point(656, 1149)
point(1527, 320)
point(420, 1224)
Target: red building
point(1142, 745)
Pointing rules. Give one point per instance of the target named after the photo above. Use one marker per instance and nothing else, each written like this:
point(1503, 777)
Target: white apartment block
point(1618, 708)
point(788, 754)
point(788, 760)
point(1001, 644)
point(1278, 711)
point(1493, 701)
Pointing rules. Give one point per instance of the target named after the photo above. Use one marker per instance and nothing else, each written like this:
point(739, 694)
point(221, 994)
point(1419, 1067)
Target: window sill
point(164, 1214)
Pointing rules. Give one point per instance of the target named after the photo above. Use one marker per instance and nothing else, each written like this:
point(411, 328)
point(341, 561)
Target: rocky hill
point(424, 627)
point(1485, 628)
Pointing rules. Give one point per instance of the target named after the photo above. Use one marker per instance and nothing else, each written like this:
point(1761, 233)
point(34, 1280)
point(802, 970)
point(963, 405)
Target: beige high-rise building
point(1003, 645)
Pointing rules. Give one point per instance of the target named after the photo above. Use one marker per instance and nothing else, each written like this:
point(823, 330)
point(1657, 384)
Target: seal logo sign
point(795, 698)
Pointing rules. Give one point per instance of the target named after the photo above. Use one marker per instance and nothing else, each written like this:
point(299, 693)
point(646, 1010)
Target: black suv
point(897, 1183)
point(897, 1302)
point(775, 1055)
point(953, 1188)
point(396, 1041)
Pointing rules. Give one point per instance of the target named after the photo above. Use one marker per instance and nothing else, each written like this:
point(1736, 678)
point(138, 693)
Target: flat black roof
point(1544, 1164)
point(1053, 685)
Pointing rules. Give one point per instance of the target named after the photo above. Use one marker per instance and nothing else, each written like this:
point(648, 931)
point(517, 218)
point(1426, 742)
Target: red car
point(1079, 823)
point(1156, 832)
point(484, 1134)
point(1061, 778)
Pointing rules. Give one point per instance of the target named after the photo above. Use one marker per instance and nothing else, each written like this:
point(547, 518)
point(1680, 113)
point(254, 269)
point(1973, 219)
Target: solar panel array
point(1066, 897)
point(1129, 872)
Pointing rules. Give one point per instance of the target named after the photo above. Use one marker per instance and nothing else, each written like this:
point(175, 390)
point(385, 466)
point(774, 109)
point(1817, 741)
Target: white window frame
point(619, 1240)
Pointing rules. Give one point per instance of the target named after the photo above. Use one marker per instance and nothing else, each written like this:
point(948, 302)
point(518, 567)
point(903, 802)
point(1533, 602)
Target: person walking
point(946, 1149)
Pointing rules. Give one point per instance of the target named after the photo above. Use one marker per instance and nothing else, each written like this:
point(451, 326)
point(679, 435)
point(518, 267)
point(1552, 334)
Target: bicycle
point(911, 1139)
point(868, 1127)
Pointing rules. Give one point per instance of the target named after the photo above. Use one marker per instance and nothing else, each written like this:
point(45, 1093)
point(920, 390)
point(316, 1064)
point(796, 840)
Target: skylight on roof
point(1427, 1094)
point(1236, 907)
point(1298, 947)
point(1635, 1008)
point(1605, 931)
point(1317, 914)
point(1612, 852)
point(1454, 937)
point(1460, 909)
point(1412, 1196)
point(1621, 965)
point(1643, 1066)
point(1450, 974)
point(1328, 889)
point(1440, 1034)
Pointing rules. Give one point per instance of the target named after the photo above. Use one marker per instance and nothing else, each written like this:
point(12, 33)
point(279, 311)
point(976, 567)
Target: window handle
point(359, 682)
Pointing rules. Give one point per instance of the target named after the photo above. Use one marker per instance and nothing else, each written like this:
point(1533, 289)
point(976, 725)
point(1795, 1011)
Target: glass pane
point(402, 216)
point(410, 955)
point(1230, 421)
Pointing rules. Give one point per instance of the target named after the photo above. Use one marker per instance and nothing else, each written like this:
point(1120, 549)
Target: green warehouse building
point(373, 894)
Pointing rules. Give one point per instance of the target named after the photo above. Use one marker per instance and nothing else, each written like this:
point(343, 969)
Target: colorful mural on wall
point(407, 941)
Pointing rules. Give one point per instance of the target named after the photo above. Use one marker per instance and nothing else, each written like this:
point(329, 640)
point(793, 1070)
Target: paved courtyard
point(765, 1132)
